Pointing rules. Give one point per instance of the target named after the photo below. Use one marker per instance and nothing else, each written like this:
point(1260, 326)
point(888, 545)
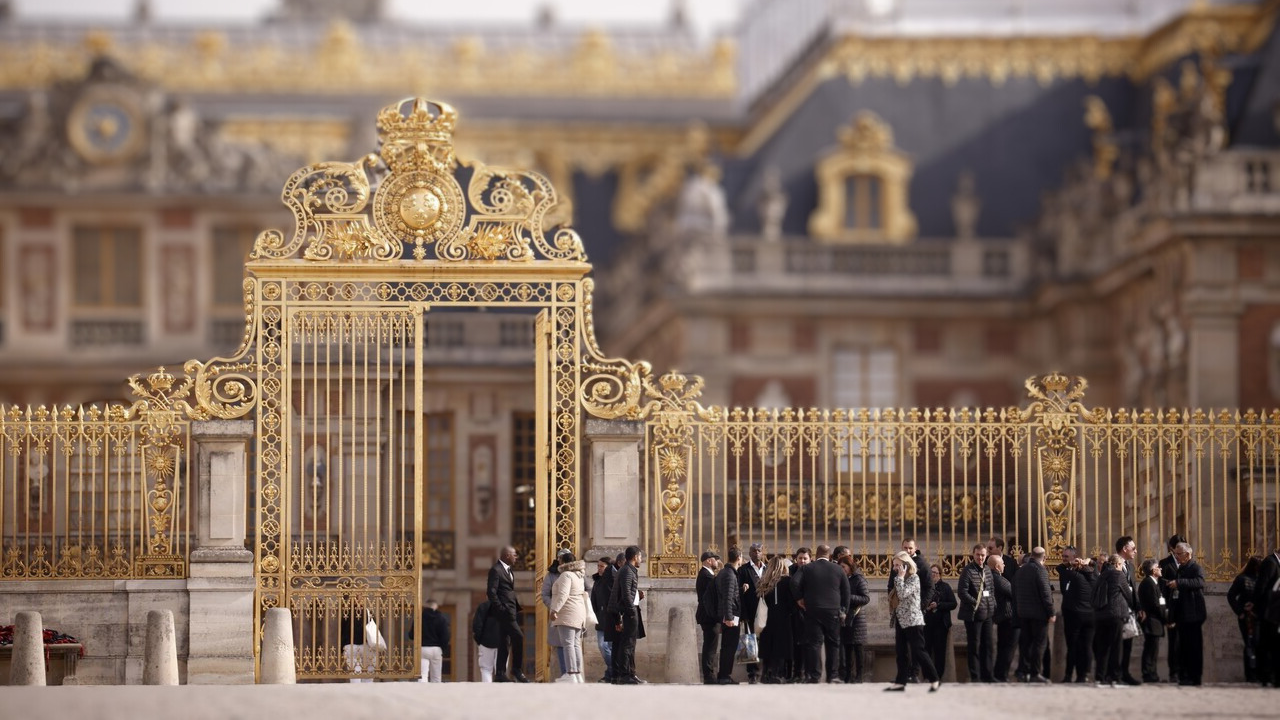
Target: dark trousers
point(624, 648)
point(1150, 652)
point(1079, 637)
point(1190, 653)
point(909, 643)
point(935, 641)
point(1126, 656)
point(1006, 642)
point(1033, 637)
point(1174, 635)
point(710, 642)
point(728, 649)
point(1249, 636)
point(513, 637)
point(1269, 653)
point(822, 627)
point(1107, 650)
point(851, 662)
point(980, 639)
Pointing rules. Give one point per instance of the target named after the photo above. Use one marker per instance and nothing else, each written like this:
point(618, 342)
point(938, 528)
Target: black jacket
point(822, 585)
point(484, 627)
point(1190, 606)
point(1149, 597)
point(1267, 576)
point(1130, 576)
point(1033, 597)
point(622, 598)
point(976, 604)
point(1004, 598)
point(1241, 592)
point(941, 615)
point(601, 587)
point(728, 594)
point(705, 586)
point(1077, 589)
point(435, 629)
point(1112, 595)
point(501, 593)
point(750, 601)
point(1168, 571)
point(856, 619)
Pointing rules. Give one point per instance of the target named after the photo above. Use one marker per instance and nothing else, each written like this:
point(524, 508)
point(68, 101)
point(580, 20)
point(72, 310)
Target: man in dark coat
point(1189, 614)
point(1006, 622)
point(706, 615)
point(485, 631)
point(1151, 600)
point(601, 587)
point(1034, 599)
point(624, 612)
point(504, 605)
point(822, 592)
point(976, 591)
point(1076, 576)
point(729, 613)
point(1128, 549)
point(1169, 570)
point(1266, 607)
point(749, 575)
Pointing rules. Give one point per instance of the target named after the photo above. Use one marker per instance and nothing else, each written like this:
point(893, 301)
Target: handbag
point(748, 650)
point(372, 636)
point(893, 601)
point(1129, 630)
point(762, 616)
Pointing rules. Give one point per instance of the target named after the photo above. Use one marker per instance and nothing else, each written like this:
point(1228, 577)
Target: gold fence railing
point(1052, 474)
point(94, 492)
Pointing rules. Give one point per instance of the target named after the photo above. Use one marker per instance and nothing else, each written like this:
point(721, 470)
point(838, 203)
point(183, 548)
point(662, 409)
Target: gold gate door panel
point(353, 496)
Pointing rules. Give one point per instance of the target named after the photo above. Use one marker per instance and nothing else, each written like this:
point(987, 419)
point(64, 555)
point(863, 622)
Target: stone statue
point(965, 206)
point(773, 205)
point(702, 208)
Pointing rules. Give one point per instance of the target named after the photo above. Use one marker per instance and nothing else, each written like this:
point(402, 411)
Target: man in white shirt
point(749, 575)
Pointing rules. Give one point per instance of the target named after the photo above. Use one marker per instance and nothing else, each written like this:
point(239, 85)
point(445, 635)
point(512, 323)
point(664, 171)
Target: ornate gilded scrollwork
point(1056, 405)
point(418, 202)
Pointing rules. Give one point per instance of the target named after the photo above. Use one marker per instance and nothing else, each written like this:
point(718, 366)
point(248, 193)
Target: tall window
point(866, 378)
point(524, 465)
point(437, 541)
point(862, 202)
point(107, 267)
point(106, 272)
point(231, 247)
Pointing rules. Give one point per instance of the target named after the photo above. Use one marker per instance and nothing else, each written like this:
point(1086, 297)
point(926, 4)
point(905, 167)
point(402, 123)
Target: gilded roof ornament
point(405, 199)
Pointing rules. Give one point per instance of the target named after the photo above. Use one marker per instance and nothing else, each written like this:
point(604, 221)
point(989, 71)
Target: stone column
point(221, 579)
point(614, 486)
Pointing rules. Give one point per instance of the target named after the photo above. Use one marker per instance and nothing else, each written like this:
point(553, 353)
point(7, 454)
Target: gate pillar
point(614, 486)
point(220, 580)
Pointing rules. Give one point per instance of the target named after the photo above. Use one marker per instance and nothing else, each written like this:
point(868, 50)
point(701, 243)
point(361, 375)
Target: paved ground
point(604, 702)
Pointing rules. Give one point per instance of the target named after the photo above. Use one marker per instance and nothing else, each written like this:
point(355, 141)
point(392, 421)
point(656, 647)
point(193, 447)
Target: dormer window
point(862, 187)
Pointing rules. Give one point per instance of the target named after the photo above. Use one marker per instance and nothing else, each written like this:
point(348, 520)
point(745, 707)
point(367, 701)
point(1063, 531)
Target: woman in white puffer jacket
point(571, 613)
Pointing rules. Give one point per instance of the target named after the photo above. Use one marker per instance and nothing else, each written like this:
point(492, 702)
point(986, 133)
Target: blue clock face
point(107, 127)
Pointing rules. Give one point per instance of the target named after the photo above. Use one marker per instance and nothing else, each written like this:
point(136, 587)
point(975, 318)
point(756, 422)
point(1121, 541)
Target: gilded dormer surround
point(862, 187)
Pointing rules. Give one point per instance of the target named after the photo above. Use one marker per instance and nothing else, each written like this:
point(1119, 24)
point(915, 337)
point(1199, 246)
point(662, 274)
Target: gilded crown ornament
point(417, 134)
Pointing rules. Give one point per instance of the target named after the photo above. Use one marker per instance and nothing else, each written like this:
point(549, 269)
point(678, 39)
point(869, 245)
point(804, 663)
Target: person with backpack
point(1112, 599)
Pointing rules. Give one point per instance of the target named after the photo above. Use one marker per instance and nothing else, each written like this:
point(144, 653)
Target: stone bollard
point(160, 657)
point(27, 666)
point(277, 648)
point(682, 647)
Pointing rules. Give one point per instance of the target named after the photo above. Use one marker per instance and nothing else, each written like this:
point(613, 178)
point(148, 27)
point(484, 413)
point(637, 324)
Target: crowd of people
point(800, 609)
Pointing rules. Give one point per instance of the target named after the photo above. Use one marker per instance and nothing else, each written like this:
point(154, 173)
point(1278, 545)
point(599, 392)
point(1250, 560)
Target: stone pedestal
point(614, 486)
point(220, 580)
point(278, 661)
point(682, 647)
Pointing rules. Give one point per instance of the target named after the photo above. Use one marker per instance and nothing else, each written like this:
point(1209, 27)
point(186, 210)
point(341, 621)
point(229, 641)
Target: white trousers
point(360, 658)
point(432, 664)
point(488, 659)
